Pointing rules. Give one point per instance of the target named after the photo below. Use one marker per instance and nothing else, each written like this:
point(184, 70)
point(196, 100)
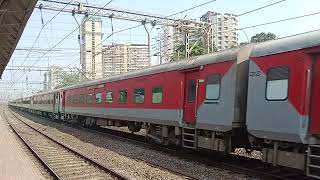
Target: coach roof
point(222, 56)
point(291, 43)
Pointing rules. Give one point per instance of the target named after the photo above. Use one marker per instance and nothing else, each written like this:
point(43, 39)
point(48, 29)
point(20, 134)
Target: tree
point(69, 79)
point(180, 51)
point(261, 37)
point(242, 44)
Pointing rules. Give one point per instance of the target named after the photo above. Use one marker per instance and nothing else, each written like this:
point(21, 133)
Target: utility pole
point(160, 49)
point(186, 40)
point(153, 24)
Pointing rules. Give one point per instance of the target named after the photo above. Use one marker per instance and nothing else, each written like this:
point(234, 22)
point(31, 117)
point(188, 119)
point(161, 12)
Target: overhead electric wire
point(42, 30)
point(194, 7)
point(299, 33)
point(257, 9)
point(64, 38)
point(274, 22)
point(247, 12)
point(244, 13)
point(251, 11)
point(281, 20)
point(241, 15)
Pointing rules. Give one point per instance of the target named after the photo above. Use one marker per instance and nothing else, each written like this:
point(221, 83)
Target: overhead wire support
point(42, 28)
point(207, 27)
point(142, 24)
point(129, 12)
point(64, 38)
point(128, 15)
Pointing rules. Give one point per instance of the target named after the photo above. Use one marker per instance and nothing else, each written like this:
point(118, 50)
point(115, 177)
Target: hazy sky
point(68, 51)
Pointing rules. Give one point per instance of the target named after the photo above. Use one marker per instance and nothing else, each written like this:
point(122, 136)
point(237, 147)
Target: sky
point(66, 54)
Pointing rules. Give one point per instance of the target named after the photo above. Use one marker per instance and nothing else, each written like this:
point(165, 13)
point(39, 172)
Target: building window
point(69, 99)
point(157, 95)
point(192, 90)
point(98, 98)
point(138, 96)
point(81, 99)
point(109, 98)
point(213, 87)
point(75, 99)
point(123, 96)
point(89, 98)
point(277, 86)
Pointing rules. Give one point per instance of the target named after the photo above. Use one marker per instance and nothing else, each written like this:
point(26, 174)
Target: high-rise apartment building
point(91, 48)
point(223, 29)
point(54, 77)
point(121, 58)
point(45, 81)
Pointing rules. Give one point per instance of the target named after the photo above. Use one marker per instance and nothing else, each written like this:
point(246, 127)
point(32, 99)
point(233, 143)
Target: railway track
point(61, 161)
point(234, 163)
point(142, 141)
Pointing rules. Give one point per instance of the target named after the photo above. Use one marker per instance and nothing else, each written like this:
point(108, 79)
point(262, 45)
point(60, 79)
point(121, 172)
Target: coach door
point(190, 99)
point(315, 96)
point(56, 102)
point(60, 101)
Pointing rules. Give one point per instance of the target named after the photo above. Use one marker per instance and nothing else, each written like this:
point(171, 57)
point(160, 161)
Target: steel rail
point(86, 158)
point(233, 163)
point(46, 166)
point(150, 163)
point(227, 164)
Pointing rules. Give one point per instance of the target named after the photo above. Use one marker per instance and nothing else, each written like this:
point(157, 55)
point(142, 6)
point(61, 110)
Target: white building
point(45, 81)
point(223, 29)
point(166, 44)
point(54, 77)
point(91, 48)
point(121, 58)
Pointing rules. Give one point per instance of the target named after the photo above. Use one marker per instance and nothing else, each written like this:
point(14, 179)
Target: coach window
point(98, 98)
point(89, 99)
point(157, 95)
point(69, 99)
point(123, 96)
point(75, 99)
point(138, 96)
point(81, 99)
point(109, 98)
point(277, 83)
point(213, 87)
point(192, 90)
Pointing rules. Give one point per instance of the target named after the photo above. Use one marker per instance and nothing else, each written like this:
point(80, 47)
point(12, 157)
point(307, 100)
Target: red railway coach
point(165, 98)
point(262, 97)
point(284, 99)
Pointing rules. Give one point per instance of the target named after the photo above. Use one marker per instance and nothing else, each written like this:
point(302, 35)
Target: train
point(260, 96)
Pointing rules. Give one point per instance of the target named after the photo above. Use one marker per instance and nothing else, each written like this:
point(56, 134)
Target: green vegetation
point(261, 37)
